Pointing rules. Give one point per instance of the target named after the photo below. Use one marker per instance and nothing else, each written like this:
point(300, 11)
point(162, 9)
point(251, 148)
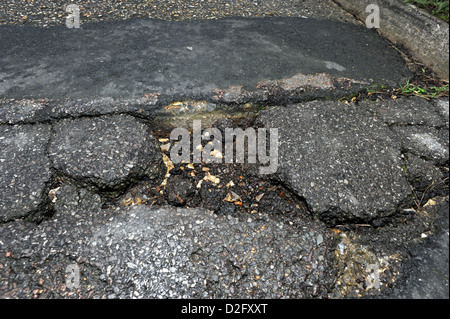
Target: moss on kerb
point(376, 87)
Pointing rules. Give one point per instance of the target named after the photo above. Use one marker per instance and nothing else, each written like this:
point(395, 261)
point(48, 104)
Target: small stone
point(319, 239)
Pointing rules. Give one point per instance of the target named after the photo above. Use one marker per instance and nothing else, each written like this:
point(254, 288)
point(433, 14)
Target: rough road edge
point(425, 36)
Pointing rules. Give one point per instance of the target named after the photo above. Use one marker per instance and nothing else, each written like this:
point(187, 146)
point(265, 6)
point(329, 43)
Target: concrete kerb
point(423, 35)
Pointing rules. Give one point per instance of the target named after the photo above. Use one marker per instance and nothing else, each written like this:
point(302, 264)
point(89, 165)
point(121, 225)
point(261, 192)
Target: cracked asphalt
point(91, 205)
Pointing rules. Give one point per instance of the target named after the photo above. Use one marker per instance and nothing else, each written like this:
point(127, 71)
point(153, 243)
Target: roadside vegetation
point(438, 8)
point(424, 83)
point(427, 93)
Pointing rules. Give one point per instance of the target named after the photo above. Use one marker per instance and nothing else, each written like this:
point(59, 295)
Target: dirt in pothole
point(226, 189)
point(239, 190)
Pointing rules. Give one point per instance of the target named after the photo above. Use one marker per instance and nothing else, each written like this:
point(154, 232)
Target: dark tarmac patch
point(426, 272)
point(259, 60)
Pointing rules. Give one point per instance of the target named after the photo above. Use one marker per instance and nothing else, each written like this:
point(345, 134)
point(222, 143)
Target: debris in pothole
point(375, 262)
point(232, 197)
point(169, 166)
point(361, 270)
point(211, 178)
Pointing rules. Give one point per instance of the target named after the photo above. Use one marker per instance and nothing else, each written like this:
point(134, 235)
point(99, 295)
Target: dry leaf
point(232, 197)
point(127, 202)
point(430, 202)
point(199, 147)
point(259, 197)
point(165, 147)
point(211, 178)
point(170, 166)
point(216, 154)
point(230, 184)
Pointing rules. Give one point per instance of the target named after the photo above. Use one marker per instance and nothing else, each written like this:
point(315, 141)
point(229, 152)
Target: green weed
point(438, 8)
point(427, 93)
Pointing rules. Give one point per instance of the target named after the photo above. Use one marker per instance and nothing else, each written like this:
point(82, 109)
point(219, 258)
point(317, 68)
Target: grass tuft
point(427, 93)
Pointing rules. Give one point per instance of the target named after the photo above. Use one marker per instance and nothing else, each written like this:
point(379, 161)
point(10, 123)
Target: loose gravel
point(47, 13)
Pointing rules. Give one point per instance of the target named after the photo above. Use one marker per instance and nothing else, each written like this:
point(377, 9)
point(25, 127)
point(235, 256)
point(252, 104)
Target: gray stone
point(418, 169)
point(443, 109)
point(109, 152)
point(407, 111)
point(69, 197)
point(24, 170)
point(426, 142)
point(340, 159)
